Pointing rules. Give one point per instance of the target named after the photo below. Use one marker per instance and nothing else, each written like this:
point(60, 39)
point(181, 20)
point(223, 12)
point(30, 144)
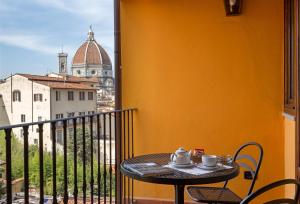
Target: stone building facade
point(29, 98)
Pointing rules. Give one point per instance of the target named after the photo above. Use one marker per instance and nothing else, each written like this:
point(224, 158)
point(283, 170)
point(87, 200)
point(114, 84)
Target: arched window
point(16, 95)
point(62, 67)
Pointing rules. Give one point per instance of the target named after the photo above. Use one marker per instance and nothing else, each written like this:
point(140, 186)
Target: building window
point(38, 97)
point(36, 141)
point(290, 70)
point(72, 114)
point(62, 67)
point(91, 96)
point(23, 119)
point(16, 96)
point(70, 96)
point(81, 96)
point(81, 114)
point(93, 72)
point(91, 112)
point(37, 130)
point(39, 118)
point(59, 116)
point(57, 95)
point(59, 137)
point(78, 72)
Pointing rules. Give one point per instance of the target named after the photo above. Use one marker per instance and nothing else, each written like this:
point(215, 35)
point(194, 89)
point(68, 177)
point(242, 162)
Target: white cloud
point(30, 42)
point(92, 10)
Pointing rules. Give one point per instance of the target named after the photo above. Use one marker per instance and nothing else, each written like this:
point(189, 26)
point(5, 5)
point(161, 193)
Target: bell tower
point(62, 63)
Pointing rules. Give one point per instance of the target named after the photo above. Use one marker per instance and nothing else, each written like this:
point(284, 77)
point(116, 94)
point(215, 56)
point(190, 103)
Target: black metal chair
point(223, 194)
point(271, 186)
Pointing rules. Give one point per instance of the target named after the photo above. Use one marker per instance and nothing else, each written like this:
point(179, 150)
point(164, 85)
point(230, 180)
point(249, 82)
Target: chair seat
point(212, 195)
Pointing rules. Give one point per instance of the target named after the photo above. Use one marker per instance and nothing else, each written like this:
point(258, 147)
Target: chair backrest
point(271, 186)
point(256, 163)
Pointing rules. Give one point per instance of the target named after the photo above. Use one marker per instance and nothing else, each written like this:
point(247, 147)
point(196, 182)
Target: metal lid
point(180, 150)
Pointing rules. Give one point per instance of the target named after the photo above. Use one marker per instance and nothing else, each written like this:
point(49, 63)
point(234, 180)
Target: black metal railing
point(128, 152)
point(93, 150)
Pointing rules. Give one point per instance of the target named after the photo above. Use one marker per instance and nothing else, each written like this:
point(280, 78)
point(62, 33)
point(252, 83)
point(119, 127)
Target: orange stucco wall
point(201, 79)
point(289, 154)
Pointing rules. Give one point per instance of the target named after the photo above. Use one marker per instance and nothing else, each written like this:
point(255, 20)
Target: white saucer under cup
point(188, 165)
point(201, 166)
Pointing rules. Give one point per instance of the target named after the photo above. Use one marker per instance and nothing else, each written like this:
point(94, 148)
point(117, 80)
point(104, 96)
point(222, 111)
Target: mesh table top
point(178, 177)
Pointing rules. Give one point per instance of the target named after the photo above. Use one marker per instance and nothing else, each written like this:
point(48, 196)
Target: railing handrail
point(64, 119)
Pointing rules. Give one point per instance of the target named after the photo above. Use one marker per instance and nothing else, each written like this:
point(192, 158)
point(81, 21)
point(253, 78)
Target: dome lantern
point(90, 34)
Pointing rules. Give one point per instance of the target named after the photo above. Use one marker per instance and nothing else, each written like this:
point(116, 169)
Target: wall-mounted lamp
point(232, 7)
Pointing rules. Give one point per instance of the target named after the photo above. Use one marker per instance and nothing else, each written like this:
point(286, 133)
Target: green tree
point(34, 166)
point(17, 165)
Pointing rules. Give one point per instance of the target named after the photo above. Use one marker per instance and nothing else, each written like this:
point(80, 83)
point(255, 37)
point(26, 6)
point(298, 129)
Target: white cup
point(209, 160)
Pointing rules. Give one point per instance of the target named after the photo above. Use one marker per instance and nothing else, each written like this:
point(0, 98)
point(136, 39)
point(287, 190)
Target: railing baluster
point(26, 168)
point(119, 158)
point(84, 161)
point(128, 151)
point(110, 163)
point(41, 161)
point(65, 162)
point(104, 156)
point(99, 167)
point(8, 166)
point(54, 193)
point(116, 160)
point(92, 160)
point(132, 151)
point(75, 161)
point(124, 150)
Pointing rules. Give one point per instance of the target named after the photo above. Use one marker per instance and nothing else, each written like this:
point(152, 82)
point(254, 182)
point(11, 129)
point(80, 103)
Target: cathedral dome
point(91, 53)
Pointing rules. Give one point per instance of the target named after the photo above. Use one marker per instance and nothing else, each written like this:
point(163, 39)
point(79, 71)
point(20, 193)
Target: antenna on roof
point(62, 48)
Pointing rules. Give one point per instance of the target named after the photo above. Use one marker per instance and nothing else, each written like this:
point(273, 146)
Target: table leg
point(179, 194)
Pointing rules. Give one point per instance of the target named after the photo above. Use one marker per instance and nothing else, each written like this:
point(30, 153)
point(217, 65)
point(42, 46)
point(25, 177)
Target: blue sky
point(32, 32)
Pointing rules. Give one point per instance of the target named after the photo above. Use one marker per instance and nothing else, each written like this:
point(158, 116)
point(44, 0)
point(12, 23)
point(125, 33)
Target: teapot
point(181, 156)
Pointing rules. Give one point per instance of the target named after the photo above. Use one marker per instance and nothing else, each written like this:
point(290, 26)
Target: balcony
point(199, 79)
point(79, 168)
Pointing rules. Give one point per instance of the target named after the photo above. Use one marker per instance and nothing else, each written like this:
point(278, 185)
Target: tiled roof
point(69, 82)
point(83, 79)
point(67, 78)
point(79, 56)
point(41, 78)
point(91, 52)
point(65, 85)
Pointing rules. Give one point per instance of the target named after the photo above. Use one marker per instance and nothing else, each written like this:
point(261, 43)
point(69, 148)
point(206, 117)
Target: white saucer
point(181, 165)
point(201, 166)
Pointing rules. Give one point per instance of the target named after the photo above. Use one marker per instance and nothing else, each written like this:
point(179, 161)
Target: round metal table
point(178, 179)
